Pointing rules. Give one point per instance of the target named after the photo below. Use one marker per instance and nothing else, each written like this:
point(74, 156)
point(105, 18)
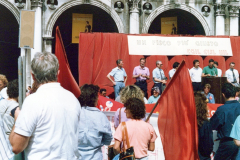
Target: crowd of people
point(54, 124)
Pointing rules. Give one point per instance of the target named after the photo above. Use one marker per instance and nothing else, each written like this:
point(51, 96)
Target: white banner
point(157, 154)
point(172, 46)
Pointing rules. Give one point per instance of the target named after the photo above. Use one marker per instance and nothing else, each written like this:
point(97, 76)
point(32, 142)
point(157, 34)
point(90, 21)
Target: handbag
point(111, 153)
point(126, 154)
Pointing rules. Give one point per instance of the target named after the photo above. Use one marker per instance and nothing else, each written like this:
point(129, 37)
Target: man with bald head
point(159, 78)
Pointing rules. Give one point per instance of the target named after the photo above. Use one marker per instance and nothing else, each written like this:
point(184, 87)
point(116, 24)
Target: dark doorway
point(102, 22)
point(9, 51)
point(187, 23)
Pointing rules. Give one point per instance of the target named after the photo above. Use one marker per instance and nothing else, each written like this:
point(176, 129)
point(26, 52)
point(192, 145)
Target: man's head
point(232, 65)
point(215, 64)
point(147, 5)
point(119, 4)
point(211, 62)
point(103, 92)
point(206, 8)
point(176, 65)
point(89, 95)
point(87, 22)
point(3, 81)
point(12, 89)
point(196, 63)
point(159, 64)
point(156, 91)
point(119, 63)
point(228, 91)
point(45, 67)
point(142, 62)
point(207, 88)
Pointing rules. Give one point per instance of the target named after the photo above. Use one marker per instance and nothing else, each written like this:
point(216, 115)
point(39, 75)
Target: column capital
point(36, 3)
point(234, 11)
point(220, 9)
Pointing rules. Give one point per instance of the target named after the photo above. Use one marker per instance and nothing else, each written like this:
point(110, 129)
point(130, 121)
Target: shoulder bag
point(126, 154)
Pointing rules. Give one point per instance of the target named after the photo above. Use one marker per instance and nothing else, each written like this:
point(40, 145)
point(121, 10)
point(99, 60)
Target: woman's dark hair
point(201, 108)
point(136, 107)
point(89, 95)
point(12, 89)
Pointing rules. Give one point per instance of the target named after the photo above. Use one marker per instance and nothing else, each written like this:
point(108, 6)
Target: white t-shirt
point(219, 72)
point(171, 73)
point(196, 74)
point(50, 118)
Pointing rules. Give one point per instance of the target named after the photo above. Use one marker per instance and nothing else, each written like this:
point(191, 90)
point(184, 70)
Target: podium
point(216, 87)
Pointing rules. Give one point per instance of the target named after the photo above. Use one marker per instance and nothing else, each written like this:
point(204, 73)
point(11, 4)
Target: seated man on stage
point(222, 121)
point(210, 70)
point(232, 75)
point(206, 92)
point(103, 92)
point(154, 98)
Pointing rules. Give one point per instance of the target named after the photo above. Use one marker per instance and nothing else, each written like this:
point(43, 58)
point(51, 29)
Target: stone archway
point(184, 7)
point(15, 11)
point(70, 4)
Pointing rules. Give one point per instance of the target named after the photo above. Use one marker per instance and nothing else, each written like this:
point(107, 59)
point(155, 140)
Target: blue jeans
point(227, 150)
point(118, 87)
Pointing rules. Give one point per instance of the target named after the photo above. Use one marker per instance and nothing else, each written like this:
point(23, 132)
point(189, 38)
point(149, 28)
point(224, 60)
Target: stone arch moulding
point(12, 8)
point(184, 7)
point(52, 20)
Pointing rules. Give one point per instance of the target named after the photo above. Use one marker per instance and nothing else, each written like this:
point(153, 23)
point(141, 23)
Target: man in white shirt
point(232, 74)
point(47, 125)
point(172, 71)
point(195, 74)
point(159, 78)
point(219, 70)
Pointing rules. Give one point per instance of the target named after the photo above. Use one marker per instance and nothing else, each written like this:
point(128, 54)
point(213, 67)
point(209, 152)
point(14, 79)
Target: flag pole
point(152, 111)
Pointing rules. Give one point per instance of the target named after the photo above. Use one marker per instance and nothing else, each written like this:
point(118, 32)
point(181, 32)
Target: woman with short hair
point(141, 134)
point(94, 126)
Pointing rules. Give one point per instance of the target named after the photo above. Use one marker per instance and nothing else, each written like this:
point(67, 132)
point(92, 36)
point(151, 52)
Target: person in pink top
point(141, 134)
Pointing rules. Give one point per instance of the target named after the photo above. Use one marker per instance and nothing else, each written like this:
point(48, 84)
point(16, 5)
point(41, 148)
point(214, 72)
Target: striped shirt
point(5, 146)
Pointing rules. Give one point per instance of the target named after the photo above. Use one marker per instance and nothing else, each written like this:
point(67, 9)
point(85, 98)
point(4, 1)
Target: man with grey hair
point(47, 125)
point(159, 78)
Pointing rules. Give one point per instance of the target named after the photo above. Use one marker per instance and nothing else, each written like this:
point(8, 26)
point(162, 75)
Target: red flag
point(106, 104)
point(65, 77)
point(177, 120)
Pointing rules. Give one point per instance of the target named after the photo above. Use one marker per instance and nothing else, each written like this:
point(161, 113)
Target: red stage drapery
point(98, 53)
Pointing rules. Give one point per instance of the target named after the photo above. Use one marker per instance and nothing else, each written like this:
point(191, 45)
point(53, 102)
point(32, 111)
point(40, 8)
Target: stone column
point(220, 22)
point(234, 14)
point(134, 18)
point(37, 6)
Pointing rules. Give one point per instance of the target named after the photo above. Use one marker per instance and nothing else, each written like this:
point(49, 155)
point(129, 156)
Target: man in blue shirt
point(120, 77)
point(159, 78)
point(223, 121)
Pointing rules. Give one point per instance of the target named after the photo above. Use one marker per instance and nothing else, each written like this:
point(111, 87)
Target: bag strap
point(119, 118)
point(124, 129)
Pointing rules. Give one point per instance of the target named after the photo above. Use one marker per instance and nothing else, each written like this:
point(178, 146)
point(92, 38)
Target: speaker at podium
point(26, 31)
point(216, 87)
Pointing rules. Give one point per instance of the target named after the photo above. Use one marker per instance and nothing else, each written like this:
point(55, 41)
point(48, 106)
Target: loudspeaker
point(26, 30)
